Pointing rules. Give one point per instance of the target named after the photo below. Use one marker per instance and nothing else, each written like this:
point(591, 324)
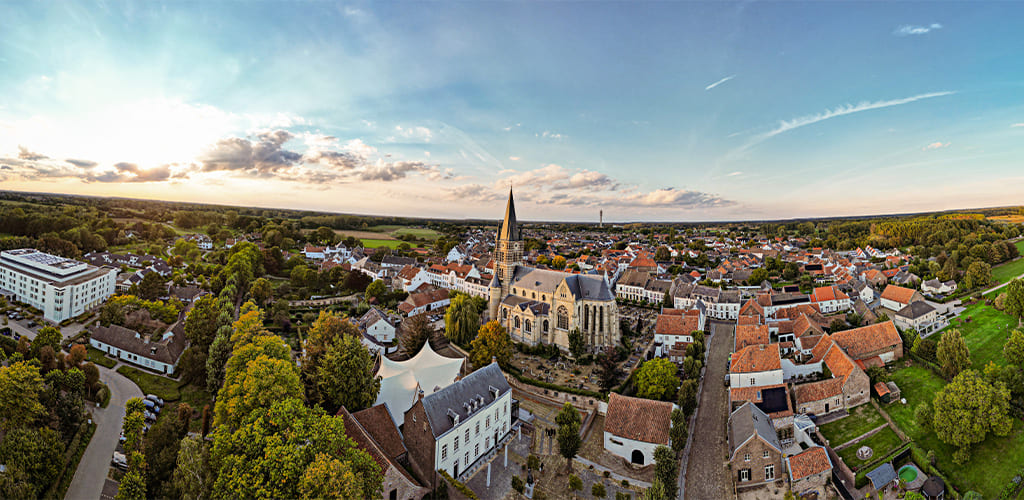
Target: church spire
point(509, 227)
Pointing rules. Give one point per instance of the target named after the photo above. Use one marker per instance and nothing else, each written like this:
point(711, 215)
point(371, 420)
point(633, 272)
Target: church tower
point(508, 253)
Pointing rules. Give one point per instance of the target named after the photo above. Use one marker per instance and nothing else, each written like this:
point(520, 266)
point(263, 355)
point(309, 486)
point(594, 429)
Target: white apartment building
point(61, 288)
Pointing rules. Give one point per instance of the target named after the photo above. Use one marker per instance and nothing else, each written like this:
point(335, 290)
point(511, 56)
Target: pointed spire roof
point(509, 229)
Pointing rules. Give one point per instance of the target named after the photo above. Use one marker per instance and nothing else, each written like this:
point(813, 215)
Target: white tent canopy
point(401, 381)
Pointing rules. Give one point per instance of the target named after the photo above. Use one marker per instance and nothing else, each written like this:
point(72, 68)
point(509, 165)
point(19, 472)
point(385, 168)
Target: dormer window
point(454, 416)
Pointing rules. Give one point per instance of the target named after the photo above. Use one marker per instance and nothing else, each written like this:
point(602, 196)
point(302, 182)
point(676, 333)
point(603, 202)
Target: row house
point(423, 302)
point(720, 304)
point(896, 297)
point(830, 299)
point(675, 327)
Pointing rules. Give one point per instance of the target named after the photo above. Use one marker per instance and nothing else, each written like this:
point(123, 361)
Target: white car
point(154, 398)
point(119, 461)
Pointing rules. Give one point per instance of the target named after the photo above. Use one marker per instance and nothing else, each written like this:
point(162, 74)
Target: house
point(879, 340)
point(936, 287)
point(922, 317)
point(756, 365)
point(455, 427)
point(830, 299)
point(378, 325)
point(421, 302)
point(874, 277)
point(409, 278)
point(747, 335)
point(896, 297)
point(375, 433)
point(202, 241)
point(671, 329)
point(883, 477)
point(773, 400)
point(130, 346)
point(755, 453)
point(634, 427)
point(809, 472)
point(313, 252)
point(819, 398)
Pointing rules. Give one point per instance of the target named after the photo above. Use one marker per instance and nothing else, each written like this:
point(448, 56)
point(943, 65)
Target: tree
point(925, 348)
point(76, 355)
point(978, 274)
point(656, 379)
point(666, 300)
point(161, 450)
point(417, 331)
point(692, 367)
point(577, 346)
point(598, 490)
point(923, 416)
point(688, 396)
point(220, 351)
point(132, 486)
point(558, 262)
point(1013, 350)
point(256, 384)
point(191, 478)
point(47, 336)
point(678, 432)
point(757, 276)
point(345, 377)
point(202, 322)
point(461, 320)
point(20, 388)
point(666, 469)
point(284, 450)
point(153, 286)
point(33, 458)
point(92, 376)
point(967, 409)
point(575, 484)
point(952, 353)
point(261, 291)
point(608, 371)
point(1015, 299)
point(492, 342)
point(377, 290)
point(568, 435)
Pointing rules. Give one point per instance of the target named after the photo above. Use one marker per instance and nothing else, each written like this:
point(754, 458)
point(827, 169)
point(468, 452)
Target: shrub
point(517, 484)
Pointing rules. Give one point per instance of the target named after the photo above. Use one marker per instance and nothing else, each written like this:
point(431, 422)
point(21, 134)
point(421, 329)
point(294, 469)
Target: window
point(478, 428)
point(744, 475)
point(769, 472)
point(465, 460)
point(562, 318)
point(753, 381)
point(456, 447)
point(487, 443)
point(746, 457)
point(476, 449)
point(467, 435)
point(444, 451)
point(487, 423)
point(765, 454)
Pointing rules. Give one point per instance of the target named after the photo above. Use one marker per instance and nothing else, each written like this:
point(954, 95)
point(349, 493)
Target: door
point(826, 408)
point(456, 475)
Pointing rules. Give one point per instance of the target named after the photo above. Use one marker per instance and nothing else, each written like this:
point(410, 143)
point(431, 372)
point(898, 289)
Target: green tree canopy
point(568, 435)
point(577, 344)
point(492, 342)
point(345, 377)
point(967, 409)
point(1015, 299)
point(656, 379)
point(20, 388)
point(461, 320)
point(952, 353)
point(47, 336)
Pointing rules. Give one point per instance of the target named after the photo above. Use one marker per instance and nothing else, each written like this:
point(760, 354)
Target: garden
point(861, 420)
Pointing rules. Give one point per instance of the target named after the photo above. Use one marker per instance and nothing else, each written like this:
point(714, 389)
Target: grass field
point(993, 462)
point(881, 444)
point(1005, 272)
point(862, 419)
point(1012, 219)
point(96, 356)
point(417, 232)
point(377, 243)
point(985, 333)
point(150, 383)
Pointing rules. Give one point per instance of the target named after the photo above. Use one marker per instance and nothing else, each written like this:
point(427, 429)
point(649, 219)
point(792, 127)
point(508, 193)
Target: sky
point(647, 111)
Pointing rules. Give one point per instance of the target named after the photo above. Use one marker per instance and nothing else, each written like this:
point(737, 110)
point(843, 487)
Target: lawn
point(1005, 272)
point(417, 232)
point(96, 356)
point(993, 462)
point(985, 333)
point(862, 419)
point(165, 388)
point(377, 243)
point(881, 444)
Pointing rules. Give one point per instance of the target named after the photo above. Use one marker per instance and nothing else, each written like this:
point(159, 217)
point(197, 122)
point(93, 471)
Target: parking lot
point(21, 326)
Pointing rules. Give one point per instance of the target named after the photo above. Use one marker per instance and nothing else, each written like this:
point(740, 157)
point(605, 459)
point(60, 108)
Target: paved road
point(706, 475)
point(19, 327)
point(92, 469)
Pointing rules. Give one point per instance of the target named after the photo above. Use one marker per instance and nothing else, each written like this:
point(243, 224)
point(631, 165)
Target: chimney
point(494, 359)
point(419, 394)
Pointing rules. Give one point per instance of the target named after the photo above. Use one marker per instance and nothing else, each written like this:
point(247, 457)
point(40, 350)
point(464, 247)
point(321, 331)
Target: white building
point(454, 428)
point(830, 299)
point(634, 427)
point(61, 288)
point(378, 325)
point(755, 366)
point(128, 345)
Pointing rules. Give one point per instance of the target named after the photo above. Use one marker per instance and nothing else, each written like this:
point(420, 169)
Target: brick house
point(755, 452)
point(896, 297)
point(809, 472)
point(863, 344)
point(374, 431)
point(819, 398)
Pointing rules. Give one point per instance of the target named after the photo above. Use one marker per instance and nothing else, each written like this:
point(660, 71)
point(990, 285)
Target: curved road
point(92, 469)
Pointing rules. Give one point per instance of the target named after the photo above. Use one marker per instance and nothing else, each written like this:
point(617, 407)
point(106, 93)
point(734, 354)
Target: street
point(706, 475)
point(92, 469)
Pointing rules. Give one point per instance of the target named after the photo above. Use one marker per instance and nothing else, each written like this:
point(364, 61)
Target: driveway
point(92, 469)
point(706, 475)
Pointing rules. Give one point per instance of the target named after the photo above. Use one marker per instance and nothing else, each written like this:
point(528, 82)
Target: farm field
point(1011, 219)
point(1006, 272)
point(985, 333)
point(377, 243)
point(363, 234)
point(993, 461)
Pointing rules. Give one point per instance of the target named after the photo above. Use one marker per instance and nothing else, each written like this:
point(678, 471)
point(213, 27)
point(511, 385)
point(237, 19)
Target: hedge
point(458, 485)
point(72, 455)
point(556, 387)
point(861, 478)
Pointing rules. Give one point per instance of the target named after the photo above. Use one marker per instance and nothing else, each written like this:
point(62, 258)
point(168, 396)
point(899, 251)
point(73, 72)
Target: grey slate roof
point(882, 476)
point(546, 281)
point(915, 310)
point(452, 398)
point(746, 422)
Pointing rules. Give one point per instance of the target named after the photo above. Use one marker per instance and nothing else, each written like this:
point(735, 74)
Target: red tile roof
point(860, 342)
point(756, 358)
point(827, 293)
point(751, 335)
point(898, 294)
point(638, 419)
point(817, 391)
point(809, 462)
point(881, 389)
point(670, 324)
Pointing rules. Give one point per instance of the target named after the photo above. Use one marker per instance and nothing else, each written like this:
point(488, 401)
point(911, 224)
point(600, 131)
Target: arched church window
point(545, 326)
point(527, 325)
point(504, 313)
point(562, 318)
point(517, 322)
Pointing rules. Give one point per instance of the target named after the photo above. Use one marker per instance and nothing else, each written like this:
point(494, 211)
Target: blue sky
point(648, 111)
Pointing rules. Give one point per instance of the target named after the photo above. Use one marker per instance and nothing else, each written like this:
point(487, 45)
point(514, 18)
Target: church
point(543, 306)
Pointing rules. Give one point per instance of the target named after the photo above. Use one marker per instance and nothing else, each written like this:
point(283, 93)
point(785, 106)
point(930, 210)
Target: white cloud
point(1017, 125)
point(719, 82)
point(909, 29)
point(547, 134)
point(514, 158)
point(416, 133)
point(935, 145)
point(734, 174)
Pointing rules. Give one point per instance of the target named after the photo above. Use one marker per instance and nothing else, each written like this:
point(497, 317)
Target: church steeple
point(509, 229)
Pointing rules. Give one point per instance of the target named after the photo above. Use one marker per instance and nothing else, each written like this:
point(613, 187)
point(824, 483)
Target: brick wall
point(756, 448)
point(419, 440)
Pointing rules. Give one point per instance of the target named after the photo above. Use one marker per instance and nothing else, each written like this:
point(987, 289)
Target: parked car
point(5, 331)
point(32, 324)
point(149, 416)
point(151, 406)
point(119, 461)
point(17, 336)
point(154, 398)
